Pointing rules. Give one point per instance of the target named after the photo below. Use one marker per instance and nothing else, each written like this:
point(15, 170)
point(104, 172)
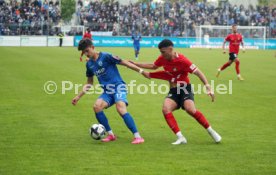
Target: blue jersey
point(136, 39)
point(105, 69)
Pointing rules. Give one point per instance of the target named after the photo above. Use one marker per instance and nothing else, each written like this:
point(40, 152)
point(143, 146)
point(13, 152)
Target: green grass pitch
point(43, 134)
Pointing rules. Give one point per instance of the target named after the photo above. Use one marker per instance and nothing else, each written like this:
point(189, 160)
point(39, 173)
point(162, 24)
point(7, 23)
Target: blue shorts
point(136, 47)
point(113, 97)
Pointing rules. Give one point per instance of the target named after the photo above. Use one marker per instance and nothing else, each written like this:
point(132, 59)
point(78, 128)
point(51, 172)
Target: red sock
point(225, 66)
point(201, 119)
point(172, 122)
point(238, 67)
point(163, 75)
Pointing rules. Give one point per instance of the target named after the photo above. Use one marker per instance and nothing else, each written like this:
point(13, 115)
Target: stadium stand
point(179, 18)
point(28, 17)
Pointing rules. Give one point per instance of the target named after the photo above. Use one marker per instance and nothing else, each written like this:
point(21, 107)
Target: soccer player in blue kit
point(103, 66)
point(136, 43)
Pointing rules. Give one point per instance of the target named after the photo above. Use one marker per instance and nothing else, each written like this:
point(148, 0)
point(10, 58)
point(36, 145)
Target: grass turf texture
point(45, 134)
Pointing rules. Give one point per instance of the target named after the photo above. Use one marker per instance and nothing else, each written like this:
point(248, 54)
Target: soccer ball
point(97, 131)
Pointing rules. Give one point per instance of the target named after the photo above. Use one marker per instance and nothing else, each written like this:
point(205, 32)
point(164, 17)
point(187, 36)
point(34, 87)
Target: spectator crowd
point(167, 18)
point(178, 18)
point(28, 17)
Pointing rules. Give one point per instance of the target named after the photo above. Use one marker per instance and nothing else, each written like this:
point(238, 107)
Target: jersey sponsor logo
point(99, 72)
point(193, 66)
point(175, 69)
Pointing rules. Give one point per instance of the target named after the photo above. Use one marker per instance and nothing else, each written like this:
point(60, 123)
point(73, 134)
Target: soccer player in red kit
point(88, 35)
point(176, 69)
point(234, 39)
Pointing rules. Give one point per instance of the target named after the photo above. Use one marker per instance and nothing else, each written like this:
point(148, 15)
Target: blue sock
point(129, 122)
point(103, 120)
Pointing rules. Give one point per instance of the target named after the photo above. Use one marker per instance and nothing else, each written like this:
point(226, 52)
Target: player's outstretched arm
point(163, 75)
point(135, 68)
point(84, 90)
point(204, 80)
point(223, 46)
point(243, 48)
point(145, 65)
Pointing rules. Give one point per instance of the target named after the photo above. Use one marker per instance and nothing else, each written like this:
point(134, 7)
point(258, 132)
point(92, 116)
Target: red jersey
point(234, 42)
point(87, 35)
point(179, 67)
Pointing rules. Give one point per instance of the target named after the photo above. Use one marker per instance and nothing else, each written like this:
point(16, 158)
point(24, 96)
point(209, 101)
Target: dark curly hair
point(84, 43)
point(165, 43)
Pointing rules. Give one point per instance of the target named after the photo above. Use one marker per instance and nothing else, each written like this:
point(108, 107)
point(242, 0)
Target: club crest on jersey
point(174, 69)
point(100, 63)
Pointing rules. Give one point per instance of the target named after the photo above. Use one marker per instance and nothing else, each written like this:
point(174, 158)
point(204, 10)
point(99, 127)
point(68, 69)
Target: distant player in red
point(176, 69)
point(88, 35)
point(234, 39)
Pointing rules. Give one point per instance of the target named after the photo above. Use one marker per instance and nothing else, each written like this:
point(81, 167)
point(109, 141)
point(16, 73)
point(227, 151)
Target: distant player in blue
point(136, 43)
point(104, 67)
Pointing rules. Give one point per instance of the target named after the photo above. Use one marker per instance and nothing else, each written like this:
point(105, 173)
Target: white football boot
point(214, 134)
point(181, 140)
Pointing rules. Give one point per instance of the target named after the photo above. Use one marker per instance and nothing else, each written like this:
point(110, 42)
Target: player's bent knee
point(121, 109)
point(166, 110)
point(97, 108)
point(191, 111)
point(122, 112)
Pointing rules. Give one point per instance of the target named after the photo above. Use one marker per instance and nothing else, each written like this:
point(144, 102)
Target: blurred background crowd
point(151, 18)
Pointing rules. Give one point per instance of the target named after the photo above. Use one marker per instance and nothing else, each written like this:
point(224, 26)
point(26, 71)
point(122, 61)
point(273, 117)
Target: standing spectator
point(60, 35)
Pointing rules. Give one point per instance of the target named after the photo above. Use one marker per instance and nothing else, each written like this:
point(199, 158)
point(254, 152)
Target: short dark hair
point(84, 43)
point(165, 43)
